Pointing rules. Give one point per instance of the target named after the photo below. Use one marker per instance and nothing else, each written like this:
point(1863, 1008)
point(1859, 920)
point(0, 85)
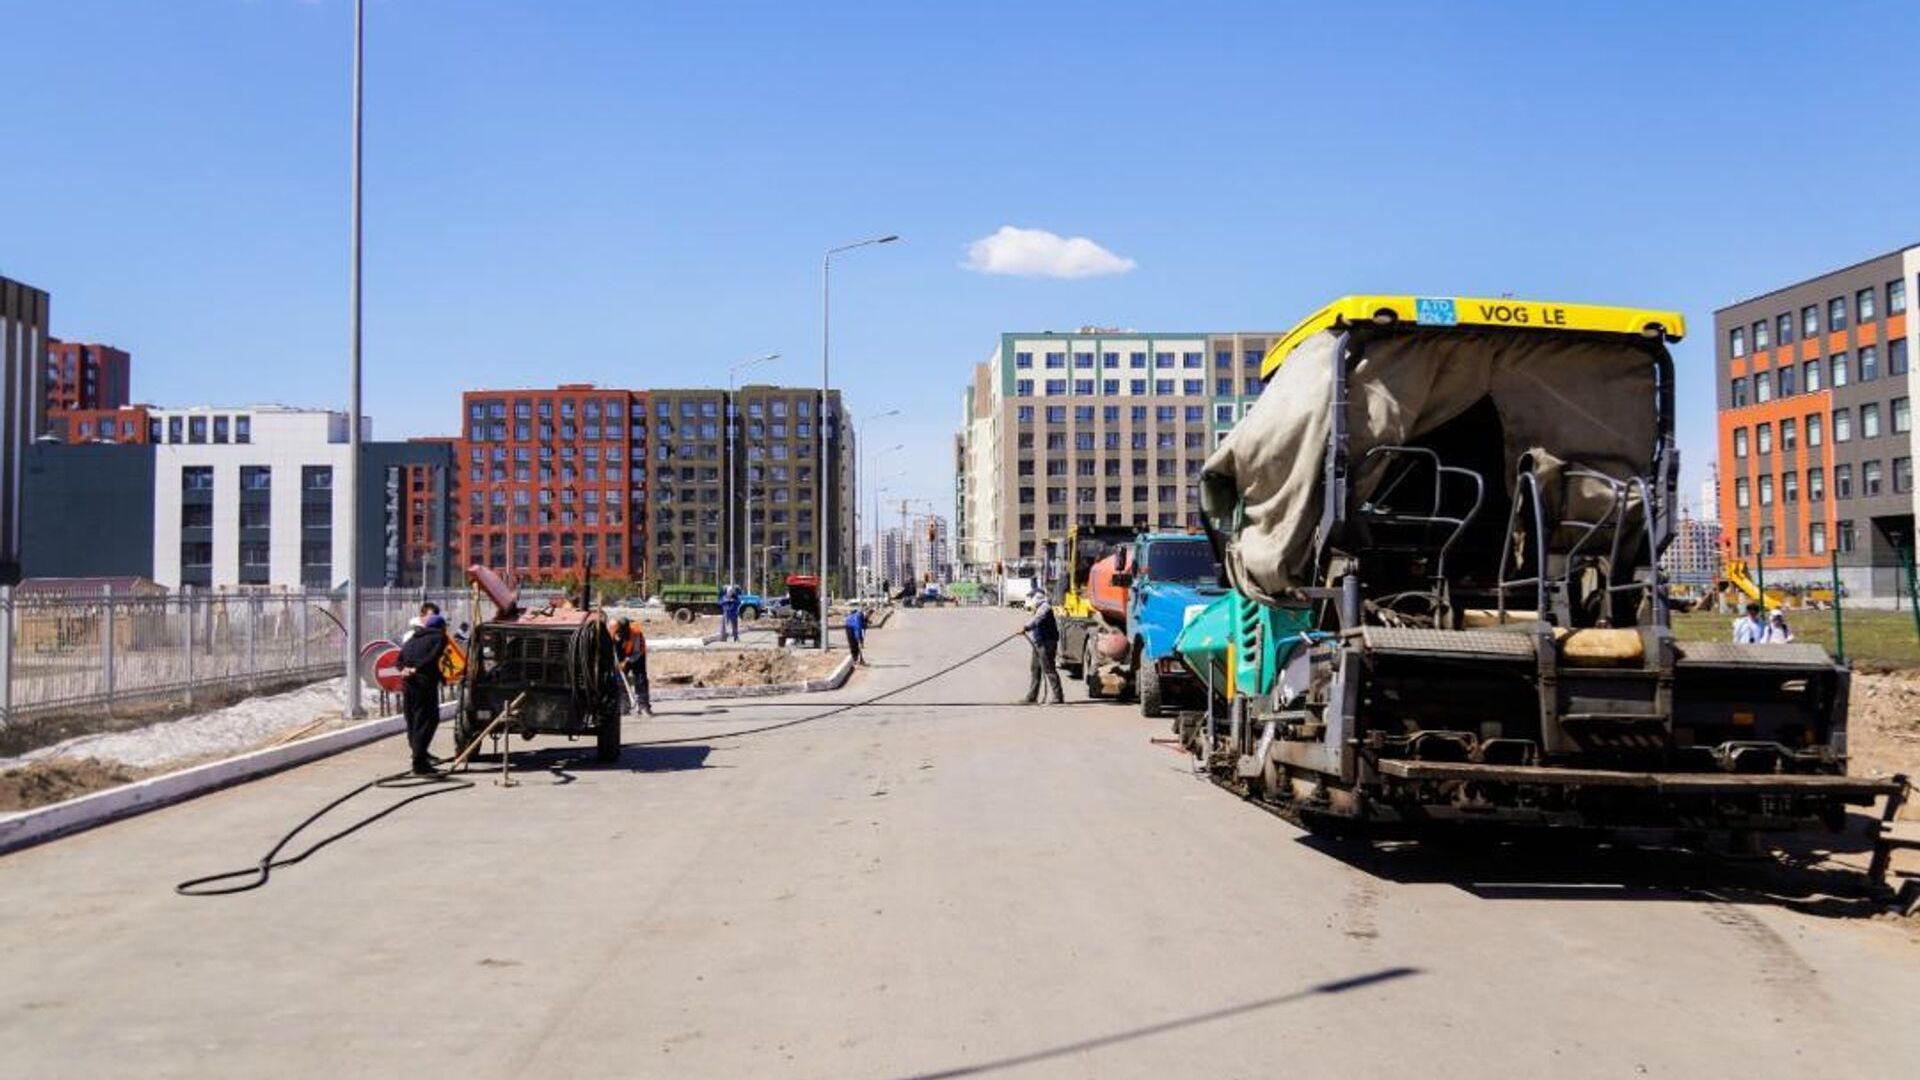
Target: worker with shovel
point(630, 643)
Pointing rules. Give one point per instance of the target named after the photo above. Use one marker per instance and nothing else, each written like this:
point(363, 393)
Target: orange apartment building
point(1815, 426)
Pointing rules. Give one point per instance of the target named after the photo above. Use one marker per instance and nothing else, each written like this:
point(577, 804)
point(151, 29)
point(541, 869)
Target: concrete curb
point(832, 681)
point(29, 827)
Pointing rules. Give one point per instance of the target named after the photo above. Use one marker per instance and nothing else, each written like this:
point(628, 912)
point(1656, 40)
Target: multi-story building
point(124, 424)
point(23, 368)
point(226, 498)
point(81, 375)
point(1815, 425)
point(770, 498)
point(1694, 556)
point(670, 485)
point(553, 481)
point(431, 492)
point(1094, 427)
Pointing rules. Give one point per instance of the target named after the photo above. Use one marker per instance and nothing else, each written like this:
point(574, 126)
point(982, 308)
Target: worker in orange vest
point(630, 643)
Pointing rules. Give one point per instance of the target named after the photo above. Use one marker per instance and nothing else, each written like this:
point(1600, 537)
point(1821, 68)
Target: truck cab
point(1170, 578)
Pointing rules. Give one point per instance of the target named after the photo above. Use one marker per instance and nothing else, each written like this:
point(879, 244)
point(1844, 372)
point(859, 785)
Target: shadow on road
point(564, 762)
point(1805, 876)
point(1099, 1042)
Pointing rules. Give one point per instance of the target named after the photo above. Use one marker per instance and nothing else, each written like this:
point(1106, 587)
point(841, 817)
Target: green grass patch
point(1873, 638)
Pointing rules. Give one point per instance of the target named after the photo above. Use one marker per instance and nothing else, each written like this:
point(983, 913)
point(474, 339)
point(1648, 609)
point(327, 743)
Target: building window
point(1056, 386)
point(1739, 441)
point(256, 478)
point(1163, 387)
point(1743, 539)
point(1742, 493)
point(1810, 372)
point(1902, 475)
point(1787, 432)
point(1842, 425)
point(1737, 393)
point(1163, 360)
point(1766, 490)
point(1817, 538)
point(1193, 387)
point(1837, 365)
point(1023, 360)
point(1110, 387)
point(1137, 387)
point(1763, 436)
point(1813, 429)
point(1870, 478)
point(1790, 487)
point(1023, 388)
point(1844, 531)
point(1022, 413)
point(1083, 360)
point(1762, 388)
point(1896, 296)
point(1869, 363)
point(196, 478)
point(1902, 409)
point(1136, 360)
point(1870, 421)
point(1223, 414)
point(1786, 381)
point(1816, 485)
point(1761, 336)
point(1809, 321)
point(1837, 313)
point(1863, 302)
point(1737, 341)
point(1766, 539)
point(1843, 483)
point(1785, 333)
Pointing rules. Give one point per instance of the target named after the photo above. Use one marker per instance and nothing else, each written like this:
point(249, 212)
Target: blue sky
point(638, 194)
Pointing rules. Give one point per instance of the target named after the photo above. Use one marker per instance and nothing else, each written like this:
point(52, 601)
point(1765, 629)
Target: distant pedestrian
point(1751, 629)
point(630, 645)
point(857, 635)
point(1778, 632)
point(420, 693)
point(1043, 632)
point(730, 613)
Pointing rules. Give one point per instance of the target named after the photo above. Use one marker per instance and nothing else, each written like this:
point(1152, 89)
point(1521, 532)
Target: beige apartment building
point(1096, 426)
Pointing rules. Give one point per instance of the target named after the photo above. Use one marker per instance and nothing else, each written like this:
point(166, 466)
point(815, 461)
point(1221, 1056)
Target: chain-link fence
point(65, 653)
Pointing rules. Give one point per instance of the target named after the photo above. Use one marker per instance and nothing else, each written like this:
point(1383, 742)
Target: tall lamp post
point(823, 484)
point(874, 569)
point(733, 424)
point(354, 709)
point(859, 477)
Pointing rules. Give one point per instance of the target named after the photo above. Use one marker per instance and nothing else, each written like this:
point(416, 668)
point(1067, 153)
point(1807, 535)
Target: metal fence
point(66, 652)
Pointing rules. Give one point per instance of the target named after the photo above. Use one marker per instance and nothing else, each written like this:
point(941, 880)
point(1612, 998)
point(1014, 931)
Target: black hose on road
point(256, 876)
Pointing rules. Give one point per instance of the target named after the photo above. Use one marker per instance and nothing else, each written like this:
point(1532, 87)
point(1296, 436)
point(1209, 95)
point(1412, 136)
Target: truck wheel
point(606, 748)
point(1089, 665)
point(752, 613)
point(464, 729)
point(1147, 678)
point(683, 614)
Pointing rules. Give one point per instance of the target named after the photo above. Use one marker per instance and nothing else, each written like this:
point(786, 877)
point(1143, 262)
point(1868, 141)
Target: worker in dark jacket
point(420, 694)
point(1043, 631)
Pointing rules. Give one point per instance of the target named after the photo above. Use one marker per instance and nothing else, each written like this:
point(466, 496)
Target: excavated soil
point(745, 667)
point(1883, 728)
point(56, 780)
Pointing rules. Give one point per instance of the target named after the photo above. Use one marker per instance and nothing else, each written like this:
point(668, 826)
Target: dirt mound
point(1883, 728)
point(759, 668)
point(46, 782)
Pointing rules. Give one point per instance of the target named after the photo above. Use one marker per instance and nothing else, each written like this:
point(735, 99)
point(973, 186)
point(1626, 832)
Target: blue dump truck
point(1146, 591)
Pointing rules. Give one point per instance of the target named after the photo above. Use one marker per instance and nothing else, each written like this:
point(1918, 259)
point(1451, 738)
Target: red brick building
point(552, 480)
point(87, 376)
point(126, 424)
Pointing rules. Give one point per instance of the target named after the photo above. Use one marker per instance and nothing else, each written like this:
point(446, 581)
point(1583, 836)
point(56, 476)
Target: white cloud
point(1039, 253)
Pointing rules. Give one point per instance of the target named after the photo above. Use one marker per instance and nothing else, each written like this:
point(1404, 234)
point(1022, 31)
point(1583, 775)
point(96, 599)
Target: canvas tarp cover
point(1587, 402)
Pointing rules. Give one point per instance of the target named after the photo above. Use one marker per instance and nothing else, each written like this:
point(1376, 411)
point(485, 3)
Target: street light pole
point(873, 567)
point(354, 710)
point(822, 482)
point(859, 477)
point(726, 474)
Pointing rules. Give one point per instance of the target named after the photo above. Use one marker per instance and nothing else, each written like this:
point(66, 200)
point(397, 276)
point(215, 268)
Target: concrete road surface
point(945, 887)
